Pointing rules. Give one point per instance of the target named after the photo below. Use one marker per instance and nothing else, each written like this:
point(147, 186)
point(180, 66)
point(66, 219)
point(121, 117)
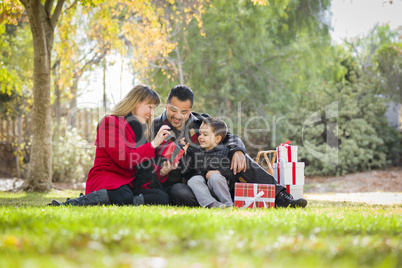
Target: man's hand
point(167, 167)
point(209, 173)
point(238, 162)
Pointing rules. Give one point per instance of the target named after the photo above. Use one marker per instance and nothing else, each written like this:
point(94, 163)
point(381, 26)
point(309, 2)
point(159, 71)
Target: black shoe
point(284, 199)
point(95, 198)
point(54, 203)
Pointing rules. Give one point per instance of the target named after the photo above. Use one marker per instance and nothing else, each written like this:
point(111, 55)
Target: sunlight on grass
point(324, 234)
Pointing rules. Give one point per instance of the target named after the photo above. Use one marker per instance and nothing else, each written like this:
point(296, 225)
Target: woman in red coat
point(123, 171)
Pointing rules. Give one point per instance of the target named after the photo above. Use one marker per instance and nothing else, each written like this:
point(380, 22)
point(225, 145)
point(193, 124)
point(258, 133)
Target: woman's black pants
point(125, 196)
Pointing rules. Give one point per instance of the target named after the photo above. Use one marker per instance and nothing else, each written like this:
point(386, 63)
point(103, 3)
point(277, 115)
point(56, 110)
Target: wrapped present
point(253, 195)
point(286, 153)
point(296, 191)
point(170, 150)
point(289, 173)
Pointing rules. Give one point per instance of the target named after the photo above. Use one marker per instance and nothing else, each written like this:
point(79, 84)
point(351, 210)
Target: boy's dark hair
point(181, 92)
point(218, 126)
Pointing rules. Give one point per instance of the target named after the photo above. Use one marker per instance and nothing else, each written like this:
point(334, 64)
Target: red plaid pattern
point(251, 195)
point(171, 151)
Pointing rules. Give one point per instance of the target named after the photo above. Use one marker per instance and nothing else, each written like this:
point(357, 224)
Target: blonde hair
point(140, 93)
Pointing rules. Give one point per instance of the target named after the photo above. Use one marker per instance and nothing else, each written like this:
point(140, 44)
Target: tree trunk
point(42, 25)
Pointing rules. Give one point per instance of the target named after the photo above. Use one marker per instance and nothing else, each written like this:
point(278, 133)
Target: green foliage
point(15, 44)
point(71, 160)
point(358, 140)
point(271, 67)
point(255, 61)
point(322, 235)
point(363, 48)
point(355, 136)
point(388, 64)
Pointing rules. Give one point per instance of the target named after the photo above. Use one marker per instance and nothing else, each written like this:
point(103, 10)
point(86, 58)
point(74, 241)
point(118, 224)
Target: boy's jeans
point(209, 191)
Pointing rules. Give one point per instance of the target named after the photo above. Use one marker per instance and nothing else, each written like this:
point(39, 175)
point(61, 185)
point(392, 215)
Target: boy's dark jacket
point(198, 162)
point(232, 142)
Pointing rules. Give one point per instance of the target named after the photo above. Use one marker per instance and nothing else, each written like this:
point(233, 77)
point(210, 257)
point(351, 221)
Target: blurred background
point(326, 75)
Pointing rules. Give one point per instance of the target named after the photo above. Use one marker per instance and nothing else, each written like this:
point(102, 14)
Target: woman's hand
point(160, 136)
point(167, 167)
point(209, 173)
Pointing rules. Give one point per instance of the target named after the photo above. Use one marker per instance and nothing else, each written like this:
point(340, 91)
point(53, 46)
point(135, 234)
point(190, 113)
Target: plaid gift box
point(289, 173)
point(252, 195)
point(170, 150)
point(295, 190)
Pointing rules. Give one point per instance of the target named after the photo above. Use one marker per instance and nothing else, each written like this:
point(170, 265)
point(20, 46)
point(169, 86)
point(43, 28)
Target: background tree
point(387, 63)
point(362, 139)
point(138, 24)
point(263, 66)
point(251, 57)
point(43, 20)
point(15, 82)
point(276, 66)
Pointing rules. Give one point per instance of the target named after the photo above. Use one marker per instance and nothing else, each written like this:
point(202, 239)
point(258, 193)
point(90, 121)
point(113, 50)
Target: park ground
point(372, 187)
point(334, 233)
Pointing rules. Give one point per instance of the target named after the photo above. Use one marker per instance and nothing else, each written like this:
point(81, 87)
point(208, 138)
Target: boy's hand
point(167, 167)
point(238, 162)
point(183, 142)
point(209, 173)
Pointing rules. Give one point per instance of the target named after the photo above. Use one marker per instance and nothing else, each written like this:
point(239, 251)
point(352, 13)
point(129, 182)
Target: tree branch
point(56, 63)
point(354, 48)
point(95, 59)
point(24, 3)
point(56, 13)
point(90, 51)
point(71, 6)
point(48, 7)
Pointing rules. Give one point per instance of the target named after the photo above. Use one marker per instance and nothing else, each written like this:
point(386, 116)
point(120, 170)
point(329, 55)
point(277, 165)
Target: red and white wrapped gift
point(286, 153)
point(296, 191)
point(253, 195)
point(289, 173)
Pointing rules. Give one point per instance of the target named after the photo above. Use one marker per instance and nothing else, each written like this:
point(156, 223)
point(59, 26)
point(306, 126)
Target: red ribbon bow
point(286, 143)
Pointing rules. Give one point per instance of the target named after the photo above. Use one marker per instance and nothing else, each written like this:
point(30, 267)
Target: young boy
point(207, 167)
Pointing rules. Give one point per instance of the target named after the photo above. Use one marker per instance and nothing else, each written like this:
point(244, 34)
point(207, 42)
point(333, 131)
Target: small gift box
point(289, 173)
point(295, 190)
point(286, 153)
point(253, 195)
point(170, 150)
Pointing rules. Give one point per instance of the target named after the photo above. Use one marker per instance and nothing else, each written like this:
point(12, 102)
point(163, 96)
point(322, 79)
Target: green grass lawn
point(325, 234)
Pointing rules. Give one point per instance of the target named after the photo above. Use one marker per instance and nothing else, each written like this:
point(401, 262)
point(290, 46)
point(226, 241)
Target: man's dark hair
point(218, 126)
point(181, 92)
